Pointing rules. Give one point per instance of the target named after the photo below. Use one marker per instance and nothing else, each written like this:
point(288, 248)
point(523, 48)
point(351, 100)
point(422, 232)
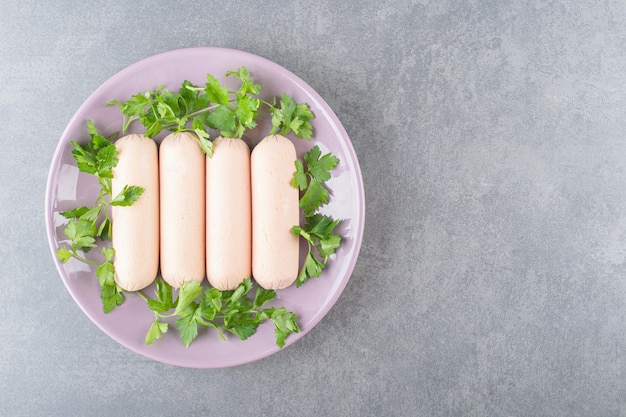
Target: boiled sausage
point(135, 228)
point(275, 249)
point(182, 176)
point(228, 214)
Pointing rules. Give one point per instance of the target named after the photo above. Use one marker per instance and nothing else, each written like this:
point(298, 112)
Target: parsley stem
point(127, 122)
point(204, 110)
point(83, 259)
point(190, 115)
point(142, 295)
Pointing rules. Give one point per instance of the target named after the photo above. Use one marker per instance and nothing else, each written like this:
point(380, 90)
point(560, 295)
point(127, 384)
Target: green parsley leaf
point(164, 301)
point(241, 290)
point(111, 295)
point(205, 144)
point(64, 255)
point(312, 155)
point(284, 323)
point(246, 112)
point(242, 324)
point(292, 117)
point(311, 268)
point(91, 128)
point(318, 231)
point(108, 254)
point(92, 214)
point(212, 302)
point(187, 293)
point(81, 234)
point(157, 329)
point(312, 178)
point(106, 159)
point(248, 85)
point(97, 157)
point(153, 126)
point(74, 213)
point(222, 119)
point(128, 195)
point(187, 324)
point(189, 95)
point(304, 129)
point(262, 296)
point(320, 168)
point(299, 177)
point(320, 225)
point(315, 196)
point(327, 246)
point(105, 230)
point(216, 91)
point(85, 160)
point(106, 273)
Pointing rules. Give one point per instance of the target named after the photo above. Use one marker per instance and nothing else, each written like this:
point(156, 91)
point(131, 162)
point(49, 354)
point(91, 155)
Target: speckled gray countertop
point(492, 276)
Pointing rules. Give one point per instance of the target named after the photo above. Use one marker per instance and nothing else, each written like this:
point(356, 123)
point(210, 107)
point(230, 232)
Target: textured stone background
point(492, 139)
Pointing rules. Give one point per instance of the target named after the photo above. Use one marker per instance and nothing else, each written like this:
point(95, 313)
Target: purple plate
point(67, 188)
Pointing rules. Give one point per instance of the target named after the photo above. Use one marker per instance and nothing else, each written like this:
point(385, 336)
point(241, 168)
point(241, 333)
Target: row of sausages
point(227, 217)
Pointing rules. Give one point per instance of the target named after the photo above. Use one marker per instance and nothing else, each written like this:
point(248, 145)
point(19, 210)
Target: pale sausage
point(275, 249)
point(135, 228)
point(228, 214)
point(181, 176)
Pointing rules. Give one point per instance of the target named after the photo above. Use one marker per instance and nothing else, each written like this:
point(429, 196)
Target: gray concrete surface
point(492, 277)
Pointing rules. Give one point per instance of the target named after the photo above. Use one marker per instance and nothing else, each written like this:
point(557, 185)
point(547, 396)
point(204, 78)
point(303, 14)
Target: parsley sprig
point(225, 311)
point(161, 109)
point(87, 224)
point(318, 230)
point(213, 107)
point(290, 116)
point(311, 178)
point(318, 233)
point(235, 111)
